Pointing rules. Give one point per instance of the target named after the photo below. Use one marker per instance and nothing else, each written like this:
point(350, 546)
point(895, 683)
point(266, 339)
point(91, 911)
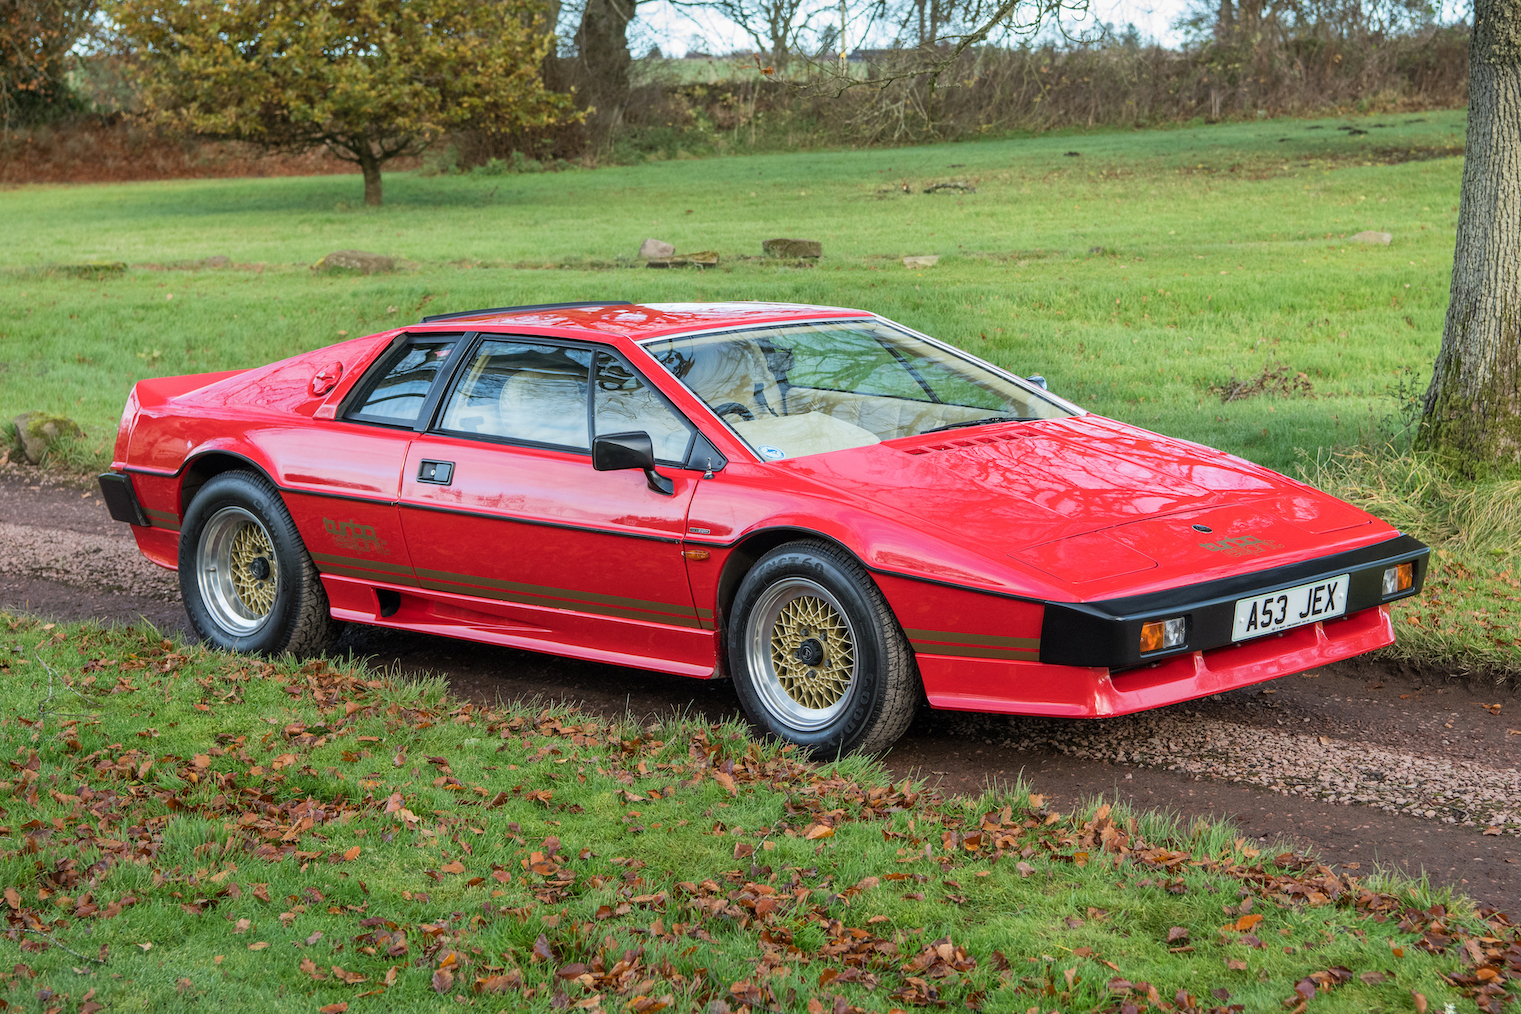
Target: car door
point(512, 529)
point(342, 479)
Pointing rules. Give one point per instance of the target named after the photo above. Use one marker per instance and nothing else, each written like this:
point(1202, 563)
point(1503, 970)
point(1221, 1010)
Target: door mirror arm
point(612, 452)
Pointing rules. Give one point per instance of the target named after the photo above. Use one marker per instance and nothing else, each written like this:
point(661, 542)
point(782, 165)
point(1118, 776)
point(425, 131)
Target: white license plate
point(1291, 607)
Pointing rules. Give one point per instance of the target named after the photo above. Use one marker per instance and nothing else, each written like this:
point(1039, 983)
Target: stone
point(1374, 237)
point(656, 248)
point(357, 260)
point(792, 249)
point(38, 431)
point(921, 262)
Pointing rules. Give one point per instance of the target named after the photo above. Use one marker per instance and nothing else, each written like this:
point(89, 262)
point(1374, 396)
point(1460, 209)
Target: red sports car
point(843, 515)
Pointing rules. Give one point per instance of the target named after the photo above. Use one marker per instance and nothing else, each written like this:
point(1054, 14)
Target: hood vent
point(961, 443)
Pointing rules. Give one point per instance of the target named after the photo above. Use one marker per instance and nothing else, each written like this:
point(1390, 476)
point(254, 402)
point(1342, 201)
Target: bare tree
point(774, 25)
point(1473, 408)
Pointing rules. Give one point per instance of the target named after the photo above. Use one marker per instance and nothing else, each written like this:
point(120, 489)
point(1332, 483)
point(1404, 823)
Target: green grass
point(1468, 619)
point(1222, 252)
point(157, 855)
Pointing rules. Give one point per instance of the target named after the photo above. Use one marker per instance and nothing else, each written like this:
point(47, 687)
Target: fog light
point(1399, 578)
point(1159, 635)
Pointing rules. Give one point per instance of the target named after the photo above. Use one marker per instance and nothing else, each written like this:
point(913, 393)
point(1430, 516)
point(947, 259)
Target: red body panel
point(967, 533)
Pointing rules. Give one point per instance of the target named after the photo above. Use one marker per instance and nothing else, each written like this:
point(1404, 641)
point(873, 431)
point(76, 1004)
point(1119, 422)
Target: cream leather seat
point(545, 407)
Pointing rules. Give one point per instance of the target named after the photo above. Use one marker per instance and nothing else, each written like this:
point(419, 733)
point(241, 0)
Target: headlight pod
point(1399, 578)
point(1160, 635)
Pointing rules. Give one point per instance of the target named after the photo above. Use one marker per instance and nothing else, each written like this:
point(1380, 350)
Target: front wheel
point(245, 576)
point(817, 655)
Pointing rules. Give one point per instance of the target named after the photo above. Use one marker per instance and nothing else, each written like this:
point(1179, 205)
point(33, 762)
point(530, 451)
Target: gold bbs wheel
point(802, 648)
point(237, 571)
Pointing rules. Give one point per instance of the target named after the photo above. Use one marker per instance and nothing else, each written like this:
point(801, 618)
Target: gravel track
point(1439, 788)
point(105, 562)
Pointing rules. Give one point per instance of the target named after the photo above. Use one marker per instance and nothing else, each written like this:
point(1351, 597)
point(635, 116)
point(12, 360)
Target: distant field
point(1135, 275)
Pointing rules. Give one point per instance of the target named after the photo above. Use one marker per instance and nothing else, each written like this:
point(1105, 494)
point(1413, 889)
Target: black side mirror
point(613, 452)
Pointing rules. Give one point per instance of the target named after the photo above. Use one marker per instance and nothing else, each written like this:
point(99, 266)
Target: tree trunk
point(1473, 408)
point(602, 63)
point(370, 165)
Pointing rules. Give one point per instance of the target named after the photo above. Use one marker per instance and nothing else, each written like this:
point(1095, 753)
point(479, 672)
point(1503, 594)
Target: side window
point(398, 391)
point(516, 390)
point(623, 402)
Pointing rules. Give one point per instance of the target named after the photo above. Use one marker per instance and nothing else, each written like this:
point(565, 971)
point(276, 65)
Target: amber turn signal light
point(1159, 635)
point(1399, 578)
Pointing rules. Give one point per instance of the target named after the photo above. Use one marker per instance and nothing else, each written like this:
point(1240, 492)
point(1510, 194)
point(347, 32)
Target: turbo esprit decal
point(1244, 545)
point(355, 537)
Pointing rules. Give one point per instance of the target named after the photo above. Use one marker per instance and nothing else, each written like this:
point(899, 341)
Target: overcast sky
point(678, 30)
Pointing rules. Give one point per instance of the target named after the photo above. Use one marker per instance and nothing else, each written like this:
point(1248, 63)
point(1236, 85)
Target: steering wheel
point(734, 406)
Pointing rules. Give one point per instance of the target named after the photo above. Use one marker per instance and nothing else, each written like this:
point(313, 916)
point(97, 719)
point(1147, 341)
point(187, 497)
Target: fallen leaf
point(352, 978)
point(349, 855)
point(443, 980)
point(726, 780)
point(1246, 922)
point(1420, 1002)
point(334, 1008)
point(1024, 868)
point(1234, 965)
point(310, 968)
point(1177, 933)
point(258, 946)
point(819, 831)
point(146, 947)
point(242, 926)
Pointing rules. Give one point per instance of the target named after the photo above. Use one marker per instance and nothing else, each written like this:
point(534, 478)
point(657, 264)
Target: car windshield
point(798, 389)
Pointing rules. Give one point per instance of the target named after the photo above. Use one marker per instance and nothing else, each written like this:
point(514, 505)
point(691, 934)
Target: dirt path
point(1368, 764)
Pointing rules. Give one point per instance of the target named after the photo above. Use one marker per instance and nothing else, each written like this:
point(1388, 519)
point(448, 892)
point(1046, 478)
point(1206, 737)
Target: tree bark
point(1473, 408)
point(602, 63)
point(369, 164)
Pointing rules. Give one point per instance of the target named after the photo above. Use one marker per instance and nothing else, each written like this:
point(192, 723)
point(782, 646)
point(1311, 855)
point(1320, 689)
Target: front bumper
point(1107, 633)
point(1039, 688)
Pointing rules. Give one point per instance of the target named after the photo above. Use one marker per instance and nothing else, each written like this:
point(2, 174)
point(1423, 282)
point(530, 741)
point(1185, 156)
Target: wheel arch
point(743, 558)
point(204, 467)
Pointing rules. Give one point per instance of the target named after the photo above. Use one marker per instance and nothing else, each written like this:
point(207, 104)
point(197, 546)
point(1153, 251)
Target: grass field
point(190, 830)
point(1135, 276)
point(1142, 276)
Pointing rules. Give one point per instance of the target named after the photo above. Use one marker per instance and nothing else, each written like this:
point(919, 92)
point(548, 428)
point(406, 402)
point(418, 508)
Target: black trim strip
point(521, 309)
point(426, 507)
point(542, 524)
point(1107, 632)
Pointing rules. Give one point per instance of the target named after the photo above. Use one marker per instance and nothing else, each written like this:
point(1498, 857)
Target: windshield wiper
point(981, 422)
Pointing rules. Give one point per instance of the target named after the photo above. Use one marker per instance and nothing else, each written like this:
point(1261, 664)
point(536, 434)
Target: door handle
point(440, 473)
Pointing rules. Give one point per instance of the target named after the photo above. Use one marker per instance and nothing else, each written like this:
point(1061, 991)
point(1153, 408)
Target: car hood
point(1096, 504)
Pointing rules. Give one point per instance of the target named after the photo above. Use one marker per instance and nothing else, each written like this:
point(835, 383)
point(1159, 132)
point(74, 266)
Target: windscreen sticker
point(773, 453)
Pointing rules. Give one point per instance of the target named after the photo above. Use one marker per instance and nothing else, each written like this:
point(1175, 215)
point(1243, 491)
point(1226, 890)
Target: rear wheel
point(245, 576)
point(818, 657)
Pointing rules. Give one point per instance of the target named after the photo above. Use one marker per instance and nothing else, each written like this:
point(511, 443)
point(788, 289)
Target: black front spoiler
point(1108, 632)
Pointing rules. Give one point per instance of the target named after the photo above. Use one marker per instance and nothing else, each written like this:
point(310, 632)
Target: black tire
point(236, 596)
point(815, 592)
